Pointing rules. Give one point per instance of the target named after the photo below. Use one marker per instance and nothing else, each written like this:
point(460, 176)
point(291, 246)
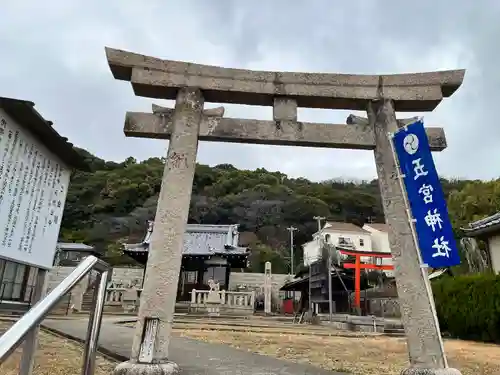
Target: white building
point(372, 237)
point(337, 233)
point(380, 242)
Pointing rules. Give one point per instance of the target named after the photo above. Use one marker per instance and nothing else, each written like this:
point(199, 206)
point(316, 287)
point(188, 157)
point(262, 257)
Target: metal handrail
point(29, 323)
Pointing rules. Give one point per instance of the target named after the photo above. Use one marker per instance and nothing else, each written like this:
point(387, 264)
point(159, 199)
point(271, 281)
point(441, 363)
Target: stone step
point(87, 299)
point(7, 308)
point(63, 307)
point(395, 332)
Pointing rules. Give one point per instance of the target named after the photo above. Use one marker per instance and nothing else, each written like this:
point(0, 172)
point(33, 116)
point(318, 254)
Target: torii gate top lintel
point(158, 78)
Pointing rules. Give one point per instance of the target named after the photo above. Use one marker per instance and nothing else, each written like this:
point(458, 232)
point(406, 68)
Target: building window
point(190, 277)
point(344, 241)
point(16, 281)
point(361, 242)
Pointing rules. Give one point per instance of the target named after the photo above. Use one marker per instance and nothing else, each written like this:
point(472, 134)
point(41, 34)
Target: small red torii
point(358, 266)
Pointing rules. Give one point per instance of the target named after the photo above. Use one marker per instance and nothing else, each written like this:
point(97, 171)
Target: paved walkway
point(194, 357)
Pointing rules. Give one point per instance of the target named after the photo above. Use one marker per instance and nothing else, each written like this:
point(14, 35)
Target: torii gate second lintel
point(193, 84)
point(215, 128)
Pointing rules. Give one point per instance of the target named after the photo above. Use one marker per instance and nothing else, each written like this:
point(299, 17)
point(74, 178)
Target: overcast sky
point(52, 53)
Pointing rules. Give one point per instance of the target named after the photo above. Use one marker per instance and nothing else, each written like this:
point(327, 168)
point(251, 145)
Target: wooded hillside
point(113, 202)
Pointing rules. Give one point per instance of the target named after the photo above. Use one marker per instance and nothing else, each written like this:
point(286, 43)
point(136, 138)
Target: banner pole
point(423, 267)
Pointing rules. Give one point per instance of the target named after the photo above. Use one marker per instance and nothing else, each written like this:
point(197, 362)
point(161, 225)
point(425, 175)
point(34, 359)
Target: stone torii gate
point(193, 84)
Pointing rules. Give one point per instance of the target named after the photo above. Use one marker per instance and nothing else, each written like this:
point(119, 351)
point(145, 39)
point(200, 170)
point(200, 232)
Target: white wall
point(380, 243)
point(58, 274)
point(131, 275)
point(311, 252)
point(380, 240)
point(373, 240)
point(127, 275)
point(361, 241)
point(255, 281)
point(494, 246)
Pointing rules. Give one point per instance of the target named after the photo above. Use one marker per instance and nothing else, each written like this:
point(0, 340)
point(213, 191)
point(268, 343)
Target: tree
point(111, 204)
point(262, 254)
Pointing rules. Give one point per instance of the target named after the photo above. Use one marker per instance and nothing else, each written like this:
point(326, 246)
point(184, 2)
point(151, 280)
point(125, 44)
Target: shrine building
point(209, 252)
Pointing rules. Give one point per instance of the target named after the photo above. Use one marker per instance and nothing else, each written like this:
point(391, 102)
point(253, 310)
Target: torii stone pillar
point(380, 95)
point(156, 311)
point(417, 307)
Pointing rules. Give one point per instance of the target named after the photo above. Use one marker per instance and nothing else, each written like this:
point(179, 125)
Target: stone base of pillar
point(129, 368)
point(427, 371)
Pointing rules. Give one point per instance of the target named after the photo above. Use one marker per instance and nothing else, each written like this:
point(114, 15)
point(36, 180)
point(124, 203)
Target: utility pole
point(328, 268)
point(320, 246)
point(291, 229)
point(318, 220)
point(329, 272)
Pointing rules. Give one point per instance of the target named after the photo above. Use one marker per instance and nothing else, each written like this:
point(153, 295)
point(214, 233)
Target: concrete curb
point(4, 316)
point(226, 327)
point(115, 357)
point(101, 350)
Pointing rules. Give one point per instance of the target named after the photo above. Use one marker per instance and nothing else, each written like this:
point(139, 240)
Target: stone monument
point(186, 124)
point(268, 285)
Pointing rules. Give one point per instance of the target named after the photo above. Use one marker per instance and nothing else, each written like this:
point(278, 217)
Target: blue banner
point(425, 195)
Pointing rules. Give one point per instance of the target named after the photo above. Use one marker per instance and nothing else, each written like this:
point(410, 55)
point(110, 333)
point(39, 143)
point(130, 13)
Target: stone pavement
point(194, 357)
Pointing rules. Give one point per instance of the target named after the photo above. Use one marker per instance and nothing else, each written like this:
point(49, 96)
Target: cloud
point(53, 54)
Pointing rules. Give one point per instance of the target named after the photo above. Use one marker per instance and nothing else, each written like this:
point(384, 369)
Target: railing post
point(193, 296)
point(94, 326)
point(68, 306)
point(25, 328)
point(31, 342)
point(223, 297)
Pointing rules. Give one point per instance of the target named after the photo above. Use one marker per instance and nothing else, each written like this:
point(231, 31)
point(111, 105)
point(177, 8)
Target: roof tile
point(343, 227)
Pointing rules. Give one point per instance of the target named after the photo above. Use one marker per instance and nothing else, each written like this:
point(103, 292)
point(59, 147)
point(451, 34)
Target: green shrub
point(468, 307)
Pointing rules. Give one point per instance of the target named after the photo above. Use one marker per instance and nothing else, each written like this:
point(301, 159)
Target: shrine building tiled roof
point(201, 239)
point(484, 227)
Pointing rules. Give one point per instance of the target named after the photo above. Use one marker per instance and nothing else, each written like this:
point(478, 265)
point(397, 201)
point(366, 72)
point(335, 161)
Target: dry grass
point(55, 356)
point(356, 355)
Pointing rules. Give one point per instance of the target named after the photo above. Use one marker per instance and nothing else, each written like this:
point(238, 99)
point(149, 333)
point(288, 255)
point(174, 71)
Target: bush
point(468, 307)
